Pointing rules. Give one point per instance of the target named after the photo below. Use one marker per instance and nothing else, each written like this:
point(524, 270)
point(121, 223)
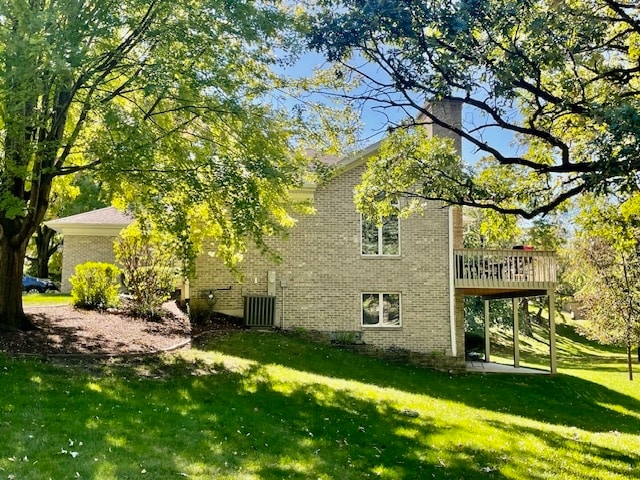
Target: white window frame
point(380, 253)
point(380, 323)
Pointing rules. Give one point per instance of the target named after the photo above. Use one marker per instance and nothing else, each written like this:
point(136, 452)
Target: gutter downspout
point(452, 291)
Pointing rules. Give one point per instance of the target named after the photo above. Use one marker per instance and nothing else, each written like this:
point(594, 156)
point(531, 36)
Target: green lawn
point(45, 299)
point(269, 406)
point(573, 350)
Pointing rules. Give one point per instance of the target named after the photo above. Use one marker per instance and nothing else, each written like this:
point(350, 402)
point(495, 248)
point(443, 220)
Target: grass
point(271, 406)
point(572, 349)
point(45, 299)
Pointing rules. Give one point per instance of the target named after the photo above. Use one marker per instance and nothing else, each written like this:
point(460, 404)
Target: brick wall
point(84, 248)
point(325, 274)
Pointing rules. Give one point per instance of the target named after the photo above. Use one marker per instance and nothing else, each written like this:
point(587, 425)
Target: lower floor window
point(381, 309)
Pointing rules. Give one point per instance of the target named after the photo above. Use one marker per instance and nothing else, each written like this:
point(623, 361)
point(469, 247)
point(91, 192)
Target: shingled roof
point(104, 221)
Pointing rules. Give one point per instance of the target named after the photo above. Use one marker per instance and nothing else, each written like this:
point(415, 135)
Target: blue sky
point(376, 119)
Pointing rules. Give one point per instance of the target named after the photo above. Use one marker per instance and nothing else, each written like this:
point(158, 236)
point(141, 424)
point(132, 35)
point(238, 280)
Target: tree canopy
point(606, 258)
point(550, 90)
point(175, 104)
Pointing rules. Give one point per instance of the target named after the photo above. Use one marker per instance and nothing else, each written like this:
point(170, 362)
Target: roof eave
point(85, 229)
point(360, 158)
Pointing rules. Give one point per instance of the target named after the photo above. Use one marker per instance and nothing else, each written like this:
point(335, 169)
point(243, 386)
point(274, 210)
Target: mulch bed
point(65, 330)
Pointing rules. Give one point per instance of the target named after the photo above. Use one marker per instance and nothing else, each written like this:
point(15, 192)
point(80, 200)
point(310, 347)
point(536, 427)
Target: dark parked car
point(41, 285)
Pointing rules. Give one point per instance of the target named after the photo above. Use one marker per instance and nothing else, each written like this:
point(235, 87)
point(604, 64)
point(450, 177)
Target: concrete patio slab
point(490, 367)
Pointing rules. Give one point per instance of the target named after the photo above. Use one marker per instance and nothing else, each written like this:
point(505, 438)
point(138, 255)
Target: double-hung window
point(381, 310)
point(381, 239)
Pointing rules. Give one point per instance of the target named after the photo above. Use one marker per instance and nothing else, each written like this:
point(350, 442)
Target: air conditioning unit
point(259, 311)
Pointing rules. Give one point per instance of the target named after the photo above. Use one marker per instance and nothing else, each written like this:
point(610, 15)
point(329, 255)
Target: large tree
point(550, 92)
point(168, 100)
point(69, 195)
point(606, 254)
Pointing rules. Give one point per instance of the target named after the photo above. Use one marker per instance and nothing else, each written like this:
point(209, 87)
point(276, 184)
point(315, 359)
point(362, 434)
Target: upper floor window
point(383, 239)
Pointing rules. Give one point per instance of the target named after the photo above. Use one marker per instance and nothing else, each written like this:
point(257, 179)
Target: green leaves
point(410, 166)
point(95, 286)
point(11, 206)
point(170, 101)
point(562, 77)
point(149, 266)
point(413, 166)
point(174, 106)
point(607, 266)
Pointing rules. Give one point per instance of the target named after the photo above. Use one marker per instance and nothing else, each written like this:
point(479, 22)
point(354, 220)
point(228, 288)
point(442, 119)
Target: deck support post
point(552, 332)
point(487, 335)
point(516, 334)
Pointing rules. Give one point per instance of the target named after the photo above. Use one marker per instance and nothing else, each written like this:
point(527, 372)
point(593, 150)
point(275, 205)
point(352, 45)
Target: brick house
point(391, 286)
point(399, 287)
point(88, 237)
point(335, 277)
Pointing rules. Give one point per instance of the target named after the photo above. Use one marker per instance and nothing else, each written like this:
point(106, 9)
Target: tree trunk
point(527, 329)
point(43, 238)
point(629, 362)
point(12, 315)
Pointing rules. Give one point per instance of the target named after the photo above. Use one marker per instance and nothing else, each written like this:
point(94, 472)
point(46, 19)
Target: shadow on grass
point(574, 351)
point(560, 399)
point(578, 343)
point(185, 420)
point(311, 431)
point(579, 362)
point(601, 364)
point(592, 457)
point(180, 416)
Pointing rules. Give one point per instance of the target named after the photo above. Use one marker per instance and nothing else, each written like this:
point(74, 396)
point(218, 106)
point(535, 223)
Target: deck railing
point(477, 268)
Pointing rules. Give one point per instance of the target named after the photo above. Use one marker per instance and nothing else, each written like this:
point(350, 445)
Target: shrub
point(343, 337)
point(148, 264)
point(201, 311)
point(95, 285)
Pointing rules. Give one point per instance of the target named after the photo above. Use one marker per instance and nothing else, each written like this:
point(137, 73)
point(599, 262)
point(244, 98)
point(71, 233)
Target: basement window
point(381, 310)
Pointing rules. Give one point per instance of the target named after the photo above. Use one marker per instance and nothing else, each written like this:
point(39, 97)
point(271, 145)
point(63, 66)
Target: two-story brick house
point(392, 284)
point(399, 286)
point(396, 286)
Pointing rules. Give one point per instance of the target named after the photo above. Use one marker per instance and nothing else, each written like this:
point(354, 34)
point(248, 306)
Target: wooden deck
point(504, 273)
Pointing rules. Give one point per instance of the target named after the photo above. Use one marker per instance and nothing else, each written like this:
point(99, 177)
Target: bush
point(149, 268)
point(95, 286)
point(201, 311)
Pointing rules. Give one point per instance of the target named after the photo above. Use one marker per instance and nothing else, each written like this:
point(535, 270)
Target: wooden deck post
point(552, 332)
point(516, 334)
point(487, 335)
